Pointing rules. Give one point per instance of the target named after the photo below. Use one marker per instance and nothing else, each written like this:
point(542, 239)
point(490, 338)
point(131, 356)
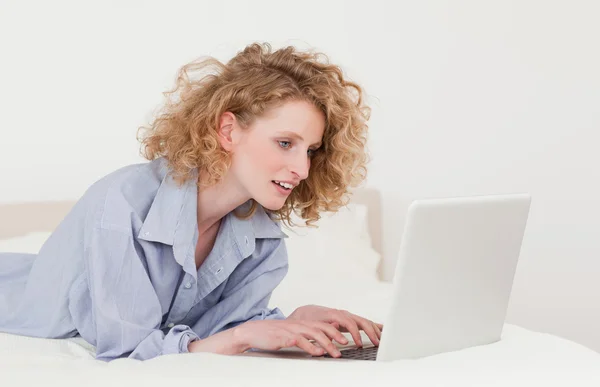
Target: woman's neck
point(216, 201)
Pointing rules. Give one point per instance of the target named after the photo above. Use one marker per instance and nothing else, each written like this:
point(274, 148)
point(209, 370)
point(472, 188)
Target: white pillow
point(344, 235)
point(330, 263)
point(29, 243)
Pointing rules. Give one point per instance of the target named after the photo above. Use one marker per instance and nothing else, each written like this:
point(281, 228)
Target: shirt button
point(188, 285)
point(218, 270)
point(147, 233)
point(246, 239)
point(171, 325)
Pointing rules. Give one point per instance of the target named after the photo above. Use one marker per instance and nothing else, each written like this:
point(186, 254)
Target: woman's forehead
point(296, 119)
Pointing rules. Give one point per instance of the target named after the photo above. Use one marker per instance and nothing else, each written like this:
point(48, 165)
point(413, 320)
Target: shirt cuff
point(269, 314)
point(275, 314)
point(178, 339)
point(186, 339)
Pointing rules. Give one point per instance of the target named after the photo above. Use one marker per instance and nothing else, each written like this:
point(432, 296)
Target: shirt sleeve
point(125, 309)
point(246, 298)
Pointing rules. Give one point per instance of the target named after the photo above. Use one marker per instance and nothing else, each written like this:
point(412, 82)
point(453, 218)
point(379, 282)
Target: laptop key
point(369, 353)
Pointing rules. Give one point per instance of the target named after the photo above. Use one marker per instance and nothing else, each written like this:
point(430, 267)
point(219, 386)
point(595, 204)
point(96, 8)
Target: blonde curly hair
point(253, 81)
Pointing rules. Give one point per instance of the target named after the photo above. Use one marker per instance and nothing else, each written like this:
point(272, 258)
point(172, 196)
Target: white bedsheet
point(333, 267)
point(520, 358)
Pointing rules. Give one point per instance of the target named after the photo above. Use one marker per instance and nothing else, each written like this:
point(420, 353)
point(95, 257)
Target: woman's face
point(276, 149)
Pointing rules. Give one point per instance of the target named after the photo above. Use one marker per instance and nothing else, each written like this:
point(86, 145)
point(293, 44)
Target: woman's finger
point(320, 337)
point(331, 331)
point(343, 329)
point(368, 328)
point(304, 344)
point(347, 322)
point(377, 330)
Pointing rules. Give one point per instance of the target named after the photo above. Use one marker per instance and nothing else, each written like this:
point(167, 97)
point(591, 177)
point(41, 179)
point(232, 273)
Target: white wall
point(505, 98)
point(79, 79)
point(468, 98)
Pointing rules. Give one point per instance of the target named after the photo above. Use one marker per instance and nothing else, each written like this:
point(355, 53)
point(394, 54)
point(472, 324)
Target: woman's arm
point(242, 319)
point(247, 291)
point(273, 335)
point(125, 311)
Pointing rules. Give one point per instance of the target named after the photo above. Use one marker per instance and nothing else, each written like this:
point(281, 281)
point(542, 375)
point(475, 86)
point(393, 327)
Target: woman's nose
point(301, 167)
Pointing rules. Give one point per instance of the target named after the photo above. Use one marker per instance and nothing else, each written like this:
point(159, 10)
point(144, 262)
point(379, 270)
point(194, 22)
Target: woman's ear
point(226, 126)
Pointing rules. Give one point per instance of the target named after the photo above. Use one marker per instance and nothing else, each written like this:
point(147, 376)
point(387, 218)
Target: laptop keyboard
point(369, 353)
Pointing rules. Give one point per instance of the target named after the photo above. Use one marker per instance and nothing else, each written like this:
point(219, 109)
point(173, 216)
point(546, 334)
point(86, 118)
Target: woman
point(181, 254)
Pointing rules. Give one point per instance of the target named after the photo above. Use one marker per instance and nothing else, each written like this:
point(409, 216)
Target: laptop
point(452, 282)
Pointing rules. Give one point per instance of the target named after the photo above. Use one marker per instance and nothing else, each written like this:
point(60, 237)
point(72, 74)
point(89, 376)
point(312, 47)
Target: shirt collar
point(172, 217)
point(166, 209)
point(259, 226)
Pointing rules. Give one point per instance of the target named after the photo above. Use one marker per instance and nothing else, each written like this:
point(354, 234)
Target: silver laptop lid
point(453, 280)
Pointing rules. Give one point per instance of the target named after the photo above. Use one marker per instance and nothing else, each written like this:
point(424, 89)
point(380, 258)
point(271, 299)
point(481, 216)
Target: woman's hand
point(273, 335)
point(340, 319)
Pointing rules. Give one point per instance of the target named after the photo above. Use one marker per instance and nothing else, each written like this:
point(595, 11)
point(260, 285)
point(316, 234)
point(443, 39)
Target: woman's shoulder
point(125, 191)
point(132, 177)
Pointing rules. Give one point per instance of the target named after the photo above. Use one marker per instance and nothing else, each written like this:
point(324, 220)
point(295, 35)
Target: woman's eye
point(284, 144)
point(311, 152)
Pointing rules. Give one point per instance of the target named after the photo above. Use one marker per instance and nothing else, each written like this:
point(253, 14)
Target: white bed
point(337, 266)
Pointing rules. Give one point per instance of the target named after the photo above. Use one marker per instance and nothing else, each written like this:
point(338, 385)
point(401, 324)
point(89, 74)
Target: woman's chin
point(271, 204)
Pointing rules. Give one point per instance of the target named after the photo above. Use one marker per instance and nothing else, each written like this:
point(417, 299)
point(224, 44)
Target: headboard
point(19, 219)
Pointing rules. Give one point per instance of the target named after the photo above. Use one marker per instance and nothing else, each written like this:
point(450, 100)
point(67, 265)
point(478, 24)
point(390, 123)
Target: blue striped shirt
point(120, 270)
